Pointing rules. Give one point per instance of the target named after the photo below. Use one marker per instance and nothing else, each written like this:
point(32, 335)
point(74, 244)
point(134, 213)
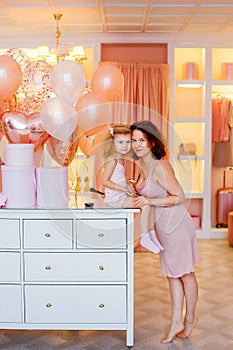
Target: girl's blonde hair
point(119, 129)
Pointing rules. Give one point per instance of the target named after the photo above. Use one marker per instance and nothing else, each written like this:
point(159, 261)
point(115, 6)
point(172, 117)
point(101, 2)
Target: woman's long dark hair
point(153, 135)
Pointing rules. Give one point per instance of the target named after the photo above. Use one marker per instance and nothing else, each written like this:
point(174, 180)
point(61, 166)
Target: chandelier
point(61, 51)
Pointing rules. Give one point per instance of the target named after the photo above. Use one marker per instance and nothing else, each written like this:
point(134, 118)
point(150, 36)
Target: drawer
point(75, 304)
point(10, 303)
point(75, 267)
point(47, 234)
point(9, 234)
point(101, 233)
point(10, 267)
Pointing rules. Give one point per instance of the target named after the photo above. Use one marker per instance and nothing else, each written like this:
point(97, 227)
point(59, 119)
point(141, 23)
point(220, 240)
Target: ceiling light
point(62, 51)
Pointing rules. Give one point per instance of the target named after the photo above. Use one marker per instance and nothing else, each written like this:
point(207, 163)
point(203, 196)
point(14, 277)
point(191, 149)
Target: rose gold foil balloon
point(63, 152)
point(107, 80)
point(38, 135)
point(93, 112)
point(20, 128)
point(10, 76)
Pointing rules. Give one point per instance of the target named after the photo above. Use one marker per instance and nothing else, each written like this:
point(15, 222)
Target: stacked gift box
point(26, 185)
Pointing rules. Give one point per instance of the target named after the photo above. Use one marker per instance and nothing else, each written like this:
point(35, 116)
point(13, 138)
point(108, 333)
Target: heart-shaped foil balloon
point(21, 128)
point(63, 152)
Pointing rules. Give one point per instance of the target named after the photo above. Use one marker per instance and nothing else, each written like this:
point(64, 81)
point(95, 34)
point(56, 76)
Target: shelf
point(222, 89)
point(193, 84)
point(194, 195)
point(222, 82)
point(189, 157)
point(189, 120)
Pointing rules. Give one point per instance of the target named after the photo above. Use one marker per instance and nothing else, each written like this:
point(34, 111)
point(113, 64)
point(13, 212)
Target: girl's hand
point(139, 201)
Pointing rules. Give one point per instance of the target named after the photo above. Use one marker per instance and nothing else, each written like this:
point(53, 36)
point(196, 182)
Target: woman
point(158, 187)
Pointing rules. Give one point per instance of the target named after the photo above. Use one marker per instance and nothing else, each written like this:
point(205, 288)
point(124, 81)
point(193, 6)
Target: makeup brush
point(96, 191)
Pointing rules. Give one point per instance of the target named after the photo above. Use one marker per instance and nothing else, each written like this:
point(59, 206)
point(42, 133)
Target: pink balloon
point(68, 80)
point(91, 145)
point(89, 100)
point(10, 76)
point(93, 112)
point(107, 80)
point(59, 118)
point(36, 81)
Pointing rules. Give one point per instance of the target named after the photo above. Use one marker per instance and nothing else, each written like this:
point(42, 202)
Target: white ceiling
point(34, 18)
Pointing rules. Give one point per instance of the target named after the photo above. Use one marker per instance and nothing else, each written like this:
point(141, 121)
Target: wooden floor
point(152, 311)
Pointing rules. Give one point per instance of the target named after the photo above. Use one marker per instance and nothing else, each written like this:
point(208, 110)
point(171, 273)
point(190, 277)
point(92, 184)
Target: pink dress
point(114, 198)
point(175, 231)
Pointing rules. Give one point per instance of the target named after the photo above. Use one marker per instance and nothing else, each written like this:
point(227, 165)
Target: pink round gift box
point(19, 185)
point(227, 71)
point(52, 187)
point(19, 154)
point(191, 71)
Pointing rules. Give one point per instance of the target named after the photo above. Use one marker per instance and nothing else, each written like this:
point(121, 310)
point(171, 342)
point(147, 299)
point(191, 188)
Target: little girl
point(119, 192)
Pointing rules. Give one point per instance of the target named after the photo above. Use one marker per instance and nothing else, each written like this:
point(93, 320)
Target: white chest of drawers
point(67, 269)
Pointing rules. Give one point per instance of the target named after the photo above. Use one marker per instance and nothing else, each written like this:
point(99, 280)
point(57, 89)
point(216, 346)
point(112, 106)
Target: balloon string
point(15, 103)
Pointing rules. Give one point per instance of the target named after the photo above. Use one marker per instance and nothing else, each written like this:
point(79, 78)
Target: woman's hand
point(139, 201)
point(130, 191)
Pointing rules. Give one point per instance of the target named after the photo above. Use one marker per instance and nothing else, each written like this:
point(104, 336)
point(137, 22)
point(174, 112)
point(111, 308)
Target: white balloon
point(68, 80)
point(59, 118)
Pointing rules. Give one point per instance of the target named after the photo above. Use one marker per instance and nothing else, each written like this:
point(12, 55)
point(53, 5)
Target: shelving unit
point(189, 124)
point(191, 121)
point(221, 86)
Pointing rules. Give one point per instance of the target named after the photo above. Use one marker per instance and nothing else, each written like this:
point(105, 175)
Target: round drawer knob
point(47, 267)
point(101, 267)
point(101, 306)
point(101, 234)
point(48, 305)
point(47, 235)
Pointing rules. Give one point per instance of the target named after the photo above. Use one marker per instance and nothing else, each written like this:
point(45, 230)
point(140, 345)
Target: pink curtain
point(145, 94)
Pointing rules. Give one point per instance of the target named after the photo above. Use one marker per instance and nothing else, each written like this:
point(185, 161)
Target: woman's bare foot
point(173, 331)
point(188, 329)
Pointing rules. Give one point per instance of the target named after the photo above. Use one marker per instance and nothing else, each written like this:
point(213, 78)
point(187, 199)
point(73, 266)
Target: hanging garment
point(221, 112)
point(223, 152)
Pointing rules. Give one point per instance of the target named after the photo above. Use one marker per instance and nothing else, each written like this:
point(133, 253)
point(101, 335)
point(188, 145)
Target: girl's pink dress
point(175, 231)
point(114, 198)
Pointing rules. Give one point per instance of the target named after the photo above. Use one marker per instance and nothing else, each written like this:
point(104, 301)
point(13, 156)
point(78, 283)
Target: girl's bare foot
point(173, 331)
point(188, 329)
